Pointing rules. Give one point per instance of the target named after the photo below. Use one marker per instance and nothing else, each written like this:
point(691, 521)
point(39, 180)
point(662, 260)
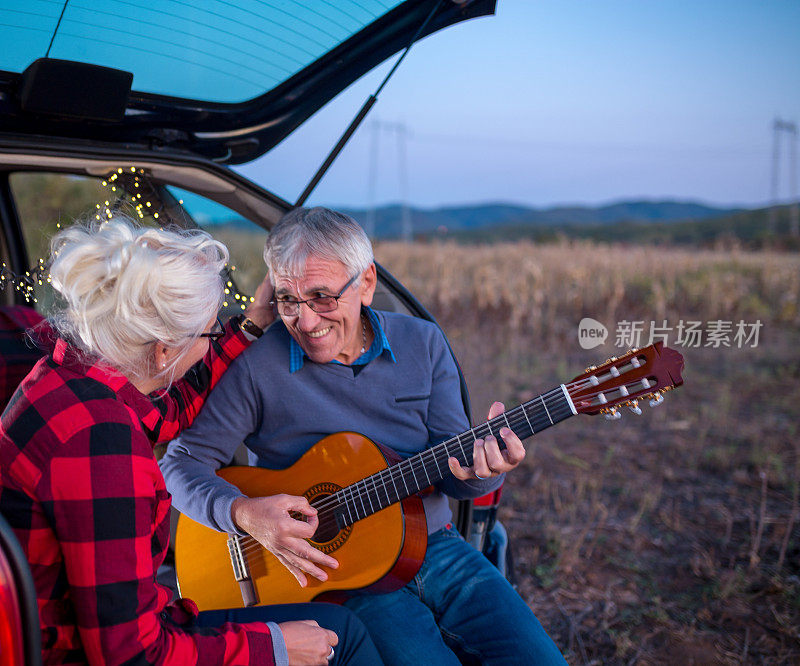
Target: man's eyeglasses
point(290, 307)
point(216, 332)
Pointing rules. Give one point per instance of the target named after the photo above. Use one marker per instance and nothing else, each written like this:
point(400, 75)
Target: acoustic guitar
point(370, 513)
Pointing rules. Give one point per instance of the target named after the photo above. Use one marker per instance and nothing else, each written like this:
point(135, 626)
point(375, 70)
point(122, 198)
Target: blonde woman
point(78, 479)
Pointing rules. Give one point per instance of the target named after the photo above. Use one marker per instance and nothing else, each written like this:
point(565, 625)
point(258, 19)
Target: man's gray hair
point(319, 232)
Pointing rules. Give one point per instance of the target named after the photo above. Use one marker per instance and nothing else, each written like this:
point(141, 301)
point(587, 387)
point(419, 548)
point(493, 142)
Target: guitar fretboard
point(424, 469)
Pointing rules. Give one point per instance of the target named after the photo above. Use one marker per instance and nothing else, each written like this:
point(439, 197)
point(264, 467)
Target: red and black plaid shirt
point(82, 490)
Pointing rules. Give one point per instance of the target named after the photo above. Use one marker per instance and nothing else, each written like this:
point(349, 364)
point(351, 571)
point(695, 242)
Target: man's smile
point(319, 333)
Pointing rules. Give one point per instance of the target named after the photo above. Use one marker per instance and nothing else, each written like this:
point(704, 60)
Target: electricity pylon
point(401, 133)
point(789, 130)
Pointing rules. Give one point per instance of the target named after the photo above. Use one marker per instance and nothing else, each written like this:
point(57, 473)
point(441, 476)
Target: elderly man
point(333, 364)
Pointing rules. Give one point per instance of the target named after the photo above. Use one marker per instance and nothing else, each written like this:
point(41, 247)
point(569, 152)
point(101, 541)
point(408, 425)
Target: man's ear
point(369, 281)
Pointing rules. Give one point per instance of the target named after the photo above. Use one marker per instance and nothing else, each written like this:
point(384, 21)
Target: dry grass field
point(666, 538)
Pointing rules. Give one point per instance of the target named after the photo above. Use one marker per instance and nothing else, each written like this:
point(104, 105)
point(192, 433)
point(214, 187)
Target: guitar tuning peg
point(634, 407)
point(657, 400)
point(612, 414)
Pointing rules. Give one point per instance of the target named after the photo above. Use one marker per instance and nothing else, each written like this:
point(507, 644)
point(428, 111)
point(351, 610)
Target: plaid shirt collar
point(67, 356)
point(380, 345)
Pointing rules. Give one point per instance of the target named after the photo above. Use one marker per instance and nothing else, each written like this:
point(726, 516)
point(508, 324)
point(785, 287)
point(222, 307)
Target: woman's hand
point(260, 312)
point(269, 521)
point(307, 643)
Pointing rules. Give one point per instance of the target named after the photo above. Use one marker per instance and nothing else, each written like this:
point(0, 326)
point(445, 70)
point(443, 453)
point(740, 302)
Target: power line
point(526, 144)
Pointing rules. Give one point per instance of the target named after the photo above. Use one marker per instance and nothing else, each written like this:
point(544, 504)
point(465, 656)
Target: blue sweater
point(406, 404)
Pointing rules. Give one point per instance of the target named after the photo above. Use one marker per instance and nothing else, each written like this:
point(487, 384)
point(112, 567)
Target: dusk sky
point(560, 101)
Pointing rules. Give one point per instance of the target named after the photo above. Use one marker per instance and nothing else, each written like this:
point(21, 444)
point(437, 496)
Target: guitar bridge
point(241, 570)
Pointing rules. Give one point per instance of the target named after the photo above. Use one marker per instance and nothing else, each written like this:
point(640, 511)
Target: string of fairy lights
point(25, 283)
point(129, 188)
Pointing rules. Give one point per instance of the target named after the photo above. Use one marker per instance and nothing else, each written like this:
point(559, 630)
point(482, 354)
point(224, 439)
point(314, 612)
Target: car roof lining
point(204, 127)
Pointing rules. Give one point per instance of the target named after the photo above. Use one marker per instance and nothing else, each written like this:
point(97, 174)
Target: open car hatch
point(226, 81)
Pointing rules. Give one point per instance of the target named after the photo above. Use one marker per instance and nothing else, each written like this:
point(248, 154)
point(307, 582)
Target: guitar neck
point(427, 468)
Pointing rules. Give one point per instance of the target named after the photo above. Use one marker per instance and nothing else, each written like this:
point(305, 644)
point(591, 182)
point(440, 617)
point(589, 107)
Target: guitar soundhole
point(328, 536)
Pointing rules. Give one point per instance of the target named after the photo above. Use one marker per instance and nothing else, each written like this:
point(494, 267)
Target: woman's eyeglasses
point(216, 332)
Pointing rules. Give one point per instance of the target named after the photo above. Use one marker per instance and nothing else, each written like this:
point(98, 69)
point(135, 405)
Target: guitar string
point(361, 490)
point(326, 517)
point(418, 463)
point(326, 514)
point(332, 502)
point(436, 456)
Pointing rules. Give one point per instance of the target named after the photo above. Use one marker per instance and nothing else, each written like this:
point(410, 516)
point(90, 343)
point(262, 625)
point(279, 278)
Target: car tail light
point(11, 650)
point(491, 499)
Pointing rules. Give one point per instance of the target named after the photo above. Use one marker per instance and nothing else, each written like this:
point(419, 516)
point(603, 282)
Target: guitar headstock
point(637, 375)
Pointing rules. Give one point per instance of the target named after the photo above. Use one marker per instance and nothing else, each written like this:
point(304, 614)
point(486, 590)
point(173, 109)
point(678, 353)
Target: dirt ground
point(666, 538)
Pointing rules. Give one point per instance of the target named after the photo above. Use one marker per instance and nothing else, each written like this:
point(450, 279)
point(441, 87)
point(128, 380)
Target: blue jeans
point(458, 606)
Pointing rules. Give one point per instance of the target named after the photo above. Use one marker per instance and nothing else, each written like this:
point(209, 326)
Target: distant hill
point(456, 219)
point(748, 228)
point(652, 222)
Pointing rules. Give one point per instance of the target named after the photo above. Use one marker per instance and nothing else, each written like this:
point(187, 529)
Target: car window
point(46, 201)
point(244, 239)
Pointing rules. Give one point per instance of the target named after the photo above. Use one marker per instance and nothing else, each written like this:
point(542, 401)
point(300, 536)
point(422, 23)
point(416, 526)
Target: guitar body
point(375, 524)
point(379, 553)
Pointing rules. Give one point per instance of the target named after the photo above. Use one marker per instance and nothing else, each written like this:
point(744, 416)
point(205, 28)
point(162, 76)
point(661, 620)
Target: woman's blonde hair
point(127, 286)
